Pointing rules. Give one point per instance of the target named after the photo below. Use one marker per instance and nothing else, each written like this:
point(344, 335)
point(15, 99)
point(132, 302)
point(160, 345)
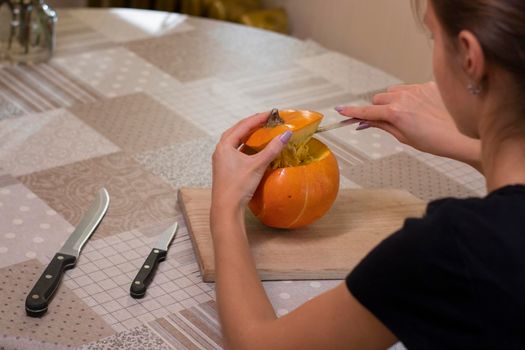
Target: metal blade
point(87, 224)
point(166, 237)
point(337, 125)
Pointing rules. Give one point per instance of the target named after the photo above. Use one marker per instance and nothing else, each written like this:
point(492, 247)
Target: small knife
point(342, 123)
point(40, 296)
point(147, 271)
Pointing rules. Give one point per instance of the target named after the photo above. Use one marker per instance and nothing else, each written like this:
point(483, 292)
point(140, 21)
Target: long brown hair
point(499, 26)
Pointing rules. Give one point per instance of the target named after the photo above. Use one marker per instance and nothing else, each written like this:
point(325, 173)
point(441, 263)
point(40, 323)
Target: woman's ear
point(472, 56)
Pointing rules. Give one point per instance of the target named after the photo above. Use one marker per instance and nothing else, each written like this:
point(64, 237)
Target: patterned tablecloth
point(135, 101)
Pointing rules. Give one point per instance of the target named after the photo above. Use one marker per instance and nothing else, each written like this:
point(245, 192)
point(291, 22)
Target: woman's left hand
point(236, 175)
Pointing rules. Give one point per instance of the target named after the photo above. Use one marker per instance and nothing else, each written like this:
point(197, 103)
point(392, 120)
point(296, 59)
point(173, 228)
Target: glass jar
point(27, 32)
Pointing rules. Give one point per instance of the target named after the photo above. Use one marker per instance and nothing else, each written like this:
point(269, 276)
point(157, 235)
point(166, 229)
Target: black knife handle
point(146, 273)
point(40, 296)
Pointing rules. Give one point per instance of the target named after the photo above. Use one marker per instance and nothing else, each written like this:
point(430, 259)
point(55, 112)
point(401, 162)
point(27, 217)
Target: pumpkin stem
point(274, 119)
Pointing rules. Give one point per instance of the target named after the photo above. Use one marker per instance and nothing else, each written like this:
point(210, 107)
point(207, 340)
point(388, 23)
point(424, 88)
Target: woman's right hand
point(416, 116)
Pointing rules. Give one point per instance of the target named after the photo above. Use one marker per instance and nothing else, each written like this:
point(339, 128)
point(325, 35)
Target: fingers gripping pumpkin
point(301, 185)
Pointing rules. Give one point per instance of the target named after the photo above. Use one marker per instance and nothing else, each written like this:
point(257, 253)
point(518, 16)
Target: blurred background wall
point(383, 33)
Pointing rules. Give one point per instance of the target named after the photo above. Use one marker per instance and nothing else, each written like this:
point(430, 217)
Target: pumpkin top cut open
point(303, 124)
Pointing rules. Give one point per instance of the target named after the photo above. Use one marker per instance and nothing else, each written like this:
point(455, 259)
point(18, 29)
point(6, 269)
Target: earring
point(474, 89)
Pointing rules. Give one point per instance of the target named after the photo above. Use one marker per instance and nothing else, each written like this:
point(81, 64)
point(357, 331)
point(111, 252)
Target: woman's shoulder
point(498, 197)
point(488, 229)
point(502, 208)
point(491, 226)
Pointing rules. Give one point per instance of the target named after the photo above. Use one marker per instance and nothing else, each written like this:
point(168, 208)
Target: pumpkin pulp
point(303, 124)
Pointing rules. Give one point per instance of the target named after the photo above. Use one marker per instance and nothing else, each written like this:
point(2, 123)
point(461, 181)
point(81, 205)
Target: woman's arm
point(333, 320)
point(416, 116)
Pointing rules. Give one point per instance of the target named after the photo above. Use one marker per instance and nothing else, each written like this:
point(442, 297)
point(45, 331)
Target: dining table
point(135, 101)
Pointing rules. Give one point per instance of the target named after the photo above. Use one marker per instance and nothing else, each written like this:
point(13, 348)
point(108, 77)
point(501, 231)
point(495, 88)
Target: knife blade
point(339, 124)
point(147, 271)
point(40, 296)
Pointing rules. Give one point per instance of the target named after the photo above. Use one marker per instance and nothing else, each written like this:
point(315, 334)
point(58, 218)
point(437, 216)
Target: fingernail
point(363, 126)
point(285, 137)
point(339, 109)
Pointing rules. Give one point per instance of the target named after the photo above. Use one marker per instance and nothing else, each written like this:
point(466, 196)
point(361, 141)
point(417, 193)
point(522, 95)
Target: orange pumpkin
point(301, 185)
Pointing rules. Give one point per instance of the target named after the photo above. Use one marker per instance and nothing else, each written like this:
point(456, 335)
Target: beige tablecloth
point(135, 101)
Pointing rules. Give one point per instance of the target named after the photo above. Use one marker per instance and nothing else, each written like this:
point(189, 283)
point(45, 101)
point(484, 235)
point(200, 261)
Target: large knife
point(40, 296)
point(147, 271)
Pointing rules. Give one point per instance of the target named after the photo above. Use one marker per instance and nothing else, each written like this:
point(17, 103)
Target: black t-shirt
point(454, 279)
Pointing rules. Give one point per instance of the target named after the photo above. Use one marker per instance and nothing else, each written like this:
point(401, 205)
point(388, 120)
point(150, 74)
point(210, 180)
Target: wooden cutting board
point(327, 249)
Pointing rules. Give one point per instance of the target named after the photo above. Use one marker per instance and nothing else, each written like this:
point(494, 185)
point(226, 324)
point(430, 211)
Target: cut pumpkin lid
point(303, 124)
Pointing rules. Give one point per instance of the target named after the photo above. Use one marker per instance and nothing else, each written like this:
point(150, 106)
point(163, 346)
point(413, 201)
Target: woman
point(452, 279)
